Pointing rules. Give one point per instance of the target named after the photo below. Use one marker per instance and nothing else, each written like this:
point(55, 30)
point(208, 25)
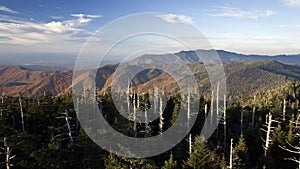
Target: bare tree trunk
point(268, 132)
point(284, 110)
point(242, 117)
point(22, 114)
point(69, 127)
point(230, 157)
point(7, 154)
point(77, 114)
point(146, 118)
point(253, 116)
point(155, 100)
point(294, 148)
point(190, 143)
point(138, 101)
point(161, 123)
point(188, 120)
point(225, 132)
point(188, 110)
point(217, 116)
point(205, 115)
point(212, 107)
point(84, 92)
point(2, 105)
point(128, 98)
point(253, 113)
point(134, 116)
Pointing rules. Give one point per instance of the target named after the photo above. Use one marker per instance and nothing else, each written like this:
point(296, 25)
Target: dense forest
point(260, 131)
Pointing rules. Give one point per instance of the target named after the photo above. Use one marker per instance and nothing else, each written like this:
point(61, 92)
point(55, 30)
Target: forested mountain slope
point(243, 78)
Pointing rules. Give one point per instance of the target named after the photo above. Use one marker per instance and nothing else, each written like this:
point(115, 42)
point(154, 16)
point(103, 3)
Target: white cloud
point(56, 17)
point(57, 27)
point(67, 25)
point(292, 3)
point(86, 15)
point(228, 11)
point(172, 18)
point(256, 44)
point(6, 9)
point(20, 31)
point(295, 26)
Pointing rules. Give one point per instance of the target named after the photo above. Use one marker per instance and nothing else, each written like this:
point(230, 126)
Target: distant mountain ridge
point(225, 56)
point(235, 57)
point(32, 83)
point(67, 62)
point(243, 78)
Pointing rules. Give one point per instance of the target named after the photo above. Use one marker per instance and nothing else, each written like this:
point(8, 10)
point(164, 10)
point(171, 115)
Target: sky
point(62, 27)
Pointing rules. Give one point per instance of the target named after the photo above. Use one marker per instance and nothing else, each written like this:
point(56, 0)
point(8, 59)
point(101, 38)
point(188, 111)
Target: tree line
point(261, 131)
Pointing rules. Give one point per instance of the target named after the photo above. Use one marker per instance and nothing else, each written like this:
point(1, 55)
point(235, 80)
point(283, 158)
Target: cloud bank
point(173, 18)
point(228, 11)
point(19, 31)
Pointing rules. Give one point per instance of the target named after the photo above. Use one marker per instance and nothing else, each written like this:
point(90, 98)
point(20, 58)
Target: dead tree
point(205, 113)
point(212, 108)
point(22, 114)
point(128, 97)
point(230, 156)
point(2, 107)
point(146, 116)
point(134, 115)
point(7, 153)
point(189, 139)
point(292, 148)
point(284, 110)
point(137, 101)
point(224, 123)
point(161, 118)
point(242, 119)
point(253, 112)
point(77, 114)
point(188, 110)
point(190, 143)
point(217, 104)
point(67, 125)
point(269, 131)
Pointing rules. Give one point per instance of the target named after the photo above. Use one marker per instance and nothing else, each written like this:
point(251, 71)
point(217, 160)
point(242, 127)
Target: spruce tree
point(240, 154)
point(171, 163)
point(112, 162)
point(200, 156)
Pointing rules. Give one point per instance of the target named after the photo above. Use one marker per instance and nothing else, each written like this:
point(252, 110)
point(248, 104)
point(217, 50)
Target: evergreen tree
point(223, 164)
point(171, 163)
point(112, 162)
point(200, 156)
point(240, 154)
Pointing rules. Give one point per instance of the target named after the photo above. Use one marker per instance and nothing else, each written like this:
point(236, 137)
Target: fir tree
point(171, 163)
point(200, 156)
point(112, 162)
point(240, 154)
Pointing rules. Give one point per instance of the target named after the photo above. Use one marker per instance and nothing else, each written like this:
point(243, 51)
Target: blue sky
point(63, 26)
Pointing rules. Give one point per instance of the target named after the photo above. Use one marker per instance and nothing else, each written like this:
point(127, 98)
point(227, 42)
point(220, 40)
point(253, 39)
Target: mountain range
point(245, 74)
point(66, 62)
point(243, 78)
point(225, 56)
